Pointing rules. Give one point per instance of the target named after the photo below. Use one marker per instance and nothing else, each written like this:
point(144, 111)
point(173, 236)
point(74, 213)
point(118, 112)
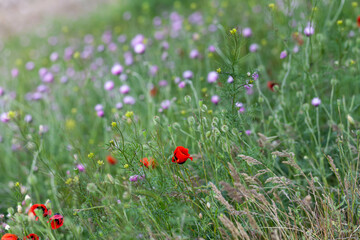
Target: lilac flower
point(88, 39)
point(254, 47)
point(246, 32)
point(194, 54)
point(215, 99)
point(128, 58)
point(188, 74)
point(122, 38)
point(157, 21)
point(98, 107)
point(100, 113)
point(100, 48)
point(177, 80)
point(124, 89)
point(48, 78)
point(316, 102)
point(230, 79)
point(248, 132)
point(129, 100)
point(296, 49)
point(54, 56)
point(4, 117)
point(42, 88)
point(42, 72)
point(80, 167)
point(182, 84)
point(212, 77)
point(241, 110)
point(119, 105)
point(133, 178)
point(136, 178)
point(137, 39)
point(283, 54)
point(211, 48)
point(163, 83)
point(309, 30)
point(109, 85)
point(14, 72)
point(165, 104)
point(139, 48)
point(29, 66)
point(165, 45)
point(239, 104)
point(28, 118)
point(153, 70)
point(112, 47)
point(255, 76)
point(63, 79)
point(117, 69)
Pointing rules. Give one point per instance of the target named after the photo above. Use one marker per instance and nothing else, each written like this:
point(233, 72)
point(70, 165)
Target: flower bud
point(187, 99)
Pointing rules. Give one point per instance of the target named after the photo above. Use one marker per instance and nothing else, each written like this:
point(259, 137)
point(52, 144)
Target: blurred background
point(17, 16)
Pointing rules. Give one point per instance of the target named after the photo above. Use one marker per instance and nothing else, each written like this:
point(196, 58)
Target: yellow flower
point(11, 114)
point(100, 162)
point(18, 62)
point(64, 29)
point(193, 5)
point(70, 124)
point(339, 22)
point(218, 70)
point(17, 184)
point(129, 114)
point(68, 181)
point(126, 166)
point(76, 55)
point(210, 111)
point(91, 155)
point(233, 31)
point(76, 179)
point(204, 90)
point(113, 124)
point(183, 112)
point(354, 4)
point(272, 6)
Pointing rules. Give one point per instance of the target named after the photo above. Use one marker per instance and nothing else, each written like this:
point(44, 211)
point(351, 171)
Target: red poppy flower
point(148, 162)
point(111, 160)
point(9, 236)
point(271, 85)
point(358, 21)
point(41, 207)
point(181, 154)
point(56, 221)
point(32, 236)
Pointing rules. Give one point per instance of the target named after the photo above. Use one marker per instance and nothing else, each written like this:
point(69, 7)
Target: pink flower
point(316, 102)
point(283, 54)
point(188, 74)
point(124, 89)
point(109, 85)
point(212, 77)
point(139, 48)
point(117, 69)
point(129, 100)
point(215, 99)
point(246, 32)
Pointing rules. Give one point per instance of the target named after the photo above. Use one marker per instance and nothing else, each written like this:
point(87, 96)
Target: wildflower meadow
point(161, 119)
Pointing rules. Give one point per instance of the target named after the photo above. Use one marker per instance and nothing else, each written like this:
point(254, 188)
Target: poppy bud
point(187, 99)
